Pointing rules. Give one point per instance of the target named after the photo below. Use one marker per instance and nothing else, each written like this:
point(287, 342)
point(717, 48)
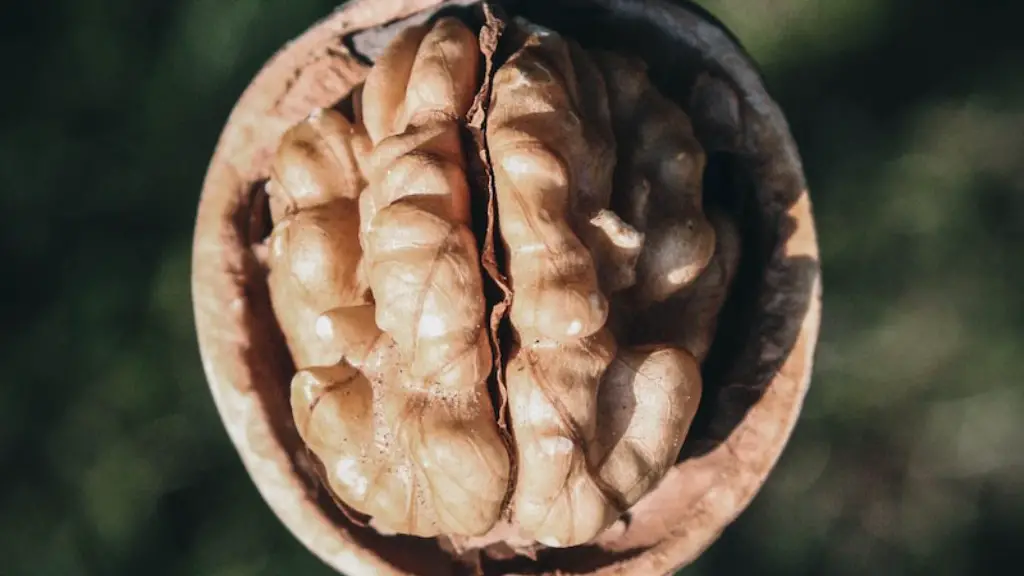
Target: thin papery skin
point(595, 427)
point(558, 312)
point(405, 426)
point(661, 165)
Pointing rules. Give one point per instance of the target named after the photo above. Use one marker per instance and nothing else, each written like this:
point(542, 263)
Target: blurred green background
point(910, 455)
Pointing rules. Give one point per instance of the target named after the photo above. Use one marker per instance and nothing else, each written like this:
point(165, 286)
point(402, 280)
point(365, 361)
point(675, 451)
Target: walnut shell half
point(755, 370)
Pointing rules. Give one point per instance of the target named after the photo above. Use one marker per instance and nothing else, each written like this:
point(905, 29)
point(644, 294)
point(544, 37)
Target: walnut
point(402, 419)
point(499, 285)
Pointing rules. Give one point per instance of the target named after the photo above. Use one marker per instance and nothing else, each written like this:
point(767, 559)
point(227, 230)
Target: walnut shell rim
point(752, 410)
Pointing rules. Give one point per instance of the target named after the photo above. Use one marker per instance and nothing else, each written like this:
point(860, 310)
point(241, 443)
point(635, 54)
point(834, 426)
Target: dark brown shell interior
point(755, 377)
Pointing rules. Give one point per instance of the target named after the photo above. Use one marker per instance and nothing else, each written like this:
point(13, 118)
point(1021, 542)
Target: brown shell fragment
point(655, 359)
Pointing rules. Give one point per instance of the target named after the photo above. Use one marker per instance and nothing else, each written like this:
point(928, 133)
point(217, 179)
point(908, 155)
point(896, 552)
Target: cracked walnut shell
point(511, 287)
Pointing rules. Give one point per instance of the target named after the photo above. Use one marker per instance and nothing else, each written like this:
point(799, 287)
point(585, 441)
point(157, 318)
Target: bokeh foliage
point(910, 455)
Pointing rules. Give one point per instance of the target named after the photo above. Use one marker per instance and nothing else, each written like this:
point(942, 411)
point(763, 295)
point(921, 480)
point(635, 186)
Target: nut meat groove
point(427, 417)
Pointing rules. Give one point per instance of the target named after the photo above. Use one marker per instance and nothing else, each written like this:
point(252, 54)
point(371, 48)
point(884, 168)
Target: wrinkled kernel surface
point(615, 274)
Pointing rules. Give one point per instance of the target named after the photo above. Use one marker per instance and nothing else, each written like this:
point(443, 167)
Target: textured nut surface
point(376, 277)
point(595, 424)
point(402, 421)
